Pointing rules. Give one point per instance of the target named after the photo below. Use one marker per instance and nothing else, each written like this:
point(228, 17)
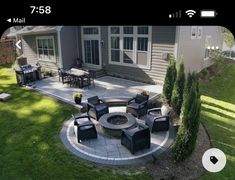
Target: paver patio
point(105, 86)
point(106, 149)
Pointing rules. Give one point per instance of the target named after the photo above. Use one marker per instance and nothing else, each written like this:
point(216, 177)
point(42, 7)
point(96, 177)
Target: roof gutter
point(36, 32)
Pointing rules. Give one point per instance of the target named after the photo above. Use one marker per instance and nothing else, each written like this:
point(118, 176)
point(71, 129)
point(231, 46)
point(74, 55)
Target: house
point(134, 52)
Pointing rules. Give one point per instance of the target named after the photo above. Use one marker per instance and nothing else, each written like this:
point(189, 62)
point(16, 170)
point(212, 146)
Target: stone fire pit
point(113, 123)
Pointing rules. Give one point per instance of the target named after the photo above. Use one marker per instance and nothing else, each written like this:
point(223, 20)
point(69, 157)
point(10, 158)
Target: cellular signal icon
point(190, 13)
point(175, 15)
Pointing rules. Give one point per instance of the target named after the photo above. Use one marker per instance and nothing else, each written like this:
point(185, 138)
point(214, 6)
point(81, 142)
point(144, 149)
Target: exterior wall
point(163, 41)
point(30, 51)
point(193, 50)
point(68, 35)
point(104, 48)
point(79, 42)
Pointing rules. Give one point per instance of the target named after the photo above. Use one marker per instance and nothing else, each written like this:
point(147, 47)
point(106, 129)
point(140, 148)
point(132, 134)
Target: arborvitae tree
point(169, 80)
point(190, 115)
point(178, 90)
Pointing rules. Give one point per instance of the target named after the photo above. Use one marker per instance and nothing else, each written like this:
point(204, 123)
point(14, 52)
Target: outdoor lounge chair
point(162, 111)
point(136, 138)
point(83, 128)
point(138, 105)
point(157, 122)
point(96, 107)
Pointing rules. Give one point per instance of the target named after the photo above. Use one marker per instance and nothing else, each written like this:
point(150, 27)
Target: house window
point(199, 32)
point(128, 30)
point(196, 32)
point(143, 30)
point(193, 32)
point(207, 53)
point(115, 30)
point(208, 43)
point(142, 44)
point(134, 45)
point(91, 30)
point(46, 48)
point(115, 49)
point(128, 50)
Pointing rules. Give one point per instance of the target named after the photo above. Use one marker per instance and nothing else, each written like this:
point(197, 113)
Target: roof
point(38, 29)
point(12, 31)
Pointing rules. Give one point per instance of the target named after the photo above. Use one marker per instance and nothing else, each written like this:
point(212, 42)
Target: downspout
point(77, 30)
point(59, 47)
point(176, 49)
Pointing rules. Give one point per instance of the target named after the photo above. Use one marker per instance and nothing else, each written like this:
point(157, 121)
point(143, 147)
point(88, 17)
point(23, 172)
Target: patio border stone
point(138, 159)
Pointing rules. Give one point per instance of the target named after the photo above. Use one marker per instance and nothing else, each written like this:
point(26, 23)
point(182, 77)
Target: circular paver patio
point(108, 150)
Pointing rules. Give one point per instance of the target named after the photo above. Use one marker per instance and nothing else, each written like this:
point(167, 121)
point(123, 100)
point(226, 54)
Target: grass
point(30, 147)
point(218, 116)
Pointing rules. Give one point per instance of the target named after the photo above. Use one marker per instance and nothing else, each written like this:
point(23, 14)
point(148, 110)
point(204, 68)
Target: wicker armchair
point(157, 120)
point(138, 105)
point(136, 138)
point(96, 107)
point(83, 128)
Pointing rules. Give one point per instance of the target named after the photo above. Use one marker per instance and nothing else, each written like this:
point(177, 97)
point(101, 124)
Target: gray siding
point(30, 51)
point(79, 36)
point(104, 48)
point(193, 50)
point(163, 41)
point(69, 47)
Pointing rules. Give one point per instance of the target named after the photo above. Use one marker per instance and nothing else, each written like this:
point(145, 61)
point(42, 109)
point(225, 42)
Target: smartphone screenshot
point(116, 93)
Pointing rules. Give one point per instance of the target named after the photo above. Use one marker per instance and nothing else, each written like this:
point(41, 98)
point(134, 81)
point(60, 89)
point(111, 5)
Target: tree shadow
point(218, 106)
point(218, 113)
point(221, 87)
point(5, 77)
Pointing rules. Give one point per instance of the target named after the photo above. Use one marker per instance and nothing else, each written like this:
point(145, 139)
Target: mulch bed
point(166, 168)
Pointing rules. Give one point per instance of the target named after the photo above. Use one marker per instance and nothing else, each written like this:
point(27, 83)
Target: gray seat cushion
point(82, 120)
point(155, 113)
point(161, 119)
point(86, 127)
point(134, 105)
point(101, 107)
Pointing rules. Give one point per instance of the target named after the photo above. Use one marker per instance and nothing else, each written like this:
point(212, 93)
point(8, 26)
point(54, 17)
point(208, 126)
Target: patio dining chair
point(64, 76)
point(84, 128)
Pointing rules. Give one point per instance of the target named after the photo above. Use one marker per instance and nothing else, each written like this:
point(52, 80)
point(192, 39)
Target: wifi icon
point(190, 13)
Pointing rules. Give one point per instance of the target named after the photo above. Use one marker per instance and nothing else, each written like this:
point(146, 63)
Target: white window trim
point(53, 42)
point(91, 37)
point(135, 36)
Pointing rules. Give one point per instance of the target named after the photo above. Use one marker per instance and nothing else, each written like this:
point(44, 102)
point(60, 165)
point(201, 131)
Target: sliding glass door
point(91, 46)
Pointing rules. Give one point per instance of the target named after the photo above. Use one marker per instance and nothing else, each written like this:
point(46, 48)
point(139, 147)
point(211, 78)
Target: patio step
point(100, 73)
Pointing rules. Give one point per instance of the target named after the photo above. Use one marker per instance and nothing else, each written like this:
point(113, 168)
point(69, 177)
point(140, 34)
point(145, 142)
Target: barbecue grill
point(27, 74)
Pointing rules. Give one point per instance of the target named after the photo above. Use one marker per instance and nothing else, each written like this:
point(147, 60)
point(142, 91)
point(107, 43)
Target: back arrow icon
point(17, 44)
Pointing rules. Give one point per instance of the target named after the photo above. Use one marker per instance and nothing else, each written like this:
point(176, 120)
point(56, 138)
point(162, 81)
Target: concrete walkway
point(106, 86)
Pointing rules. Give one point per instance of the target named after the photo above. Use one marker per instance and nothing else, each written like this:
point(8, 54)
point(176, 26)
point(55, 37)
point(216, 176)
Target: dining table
point(78, 76)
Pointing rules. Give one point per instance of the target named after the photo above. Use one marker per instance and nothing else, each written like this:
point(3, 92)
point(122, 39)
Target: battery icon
point(208, 13)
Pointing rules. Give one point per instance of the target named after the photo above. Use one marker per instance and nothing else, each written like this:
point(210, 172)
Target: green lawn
point(30, 147)
point(218, 115)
